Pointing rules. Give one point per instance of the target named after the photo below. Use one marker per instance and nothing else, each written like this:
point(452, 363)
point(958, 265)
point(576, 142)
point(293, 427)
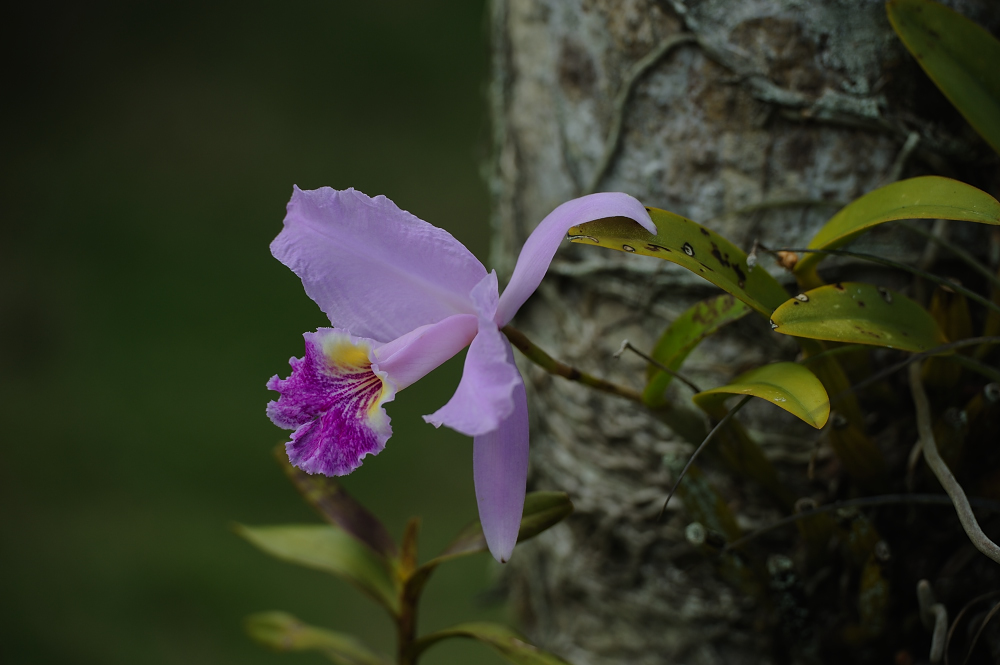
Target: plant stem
point(657, 364)
point(406, 629)
point(943, 473)
point(553, 366)
point(711, 435)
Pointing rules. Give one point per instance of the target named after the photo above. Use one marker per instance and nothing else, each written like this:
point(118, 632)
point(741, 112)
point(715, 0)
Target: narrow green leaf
point(856, 313)
point(338, 507)
point(508, 643)
point(542, 510)
point(688, 244)
point(331, 550)
point(283, 632)
point(960, 57)
point(685, 333)
point(787, 385)
point(927, 197)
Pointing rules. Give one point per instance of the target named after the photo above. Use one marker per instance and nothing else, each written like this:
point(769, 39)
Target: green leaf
point(927, 197)
point(683, 335)
point(508, 643)
point(331, 550)
point(283, 632)
point(688, 244)
point(960, 57)
point(788, 385)
point(542, 510)
point(856, 313)
point(338, 507)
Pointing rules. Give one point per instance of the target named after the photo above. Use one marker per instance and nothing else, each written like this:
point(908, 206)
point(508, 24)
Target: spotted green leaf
point(856, 313)
point(505, 641)
point(686, 332)
point(787, 385)
point(542, 510)
point(688, 244)
point(283, 632)
point(960, 57)
point(927, 197)
point(332, 550)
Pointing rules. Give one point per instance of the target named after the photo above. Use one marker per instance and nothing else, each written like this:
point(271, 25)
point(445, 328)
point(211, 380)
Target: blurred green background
point(148, 153)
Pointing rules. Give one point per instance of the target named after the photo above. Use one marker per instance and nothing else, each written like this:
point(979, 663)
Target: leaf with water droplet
point(787, 385)
point(857, 313)
point(688, 244)
point(927, 197)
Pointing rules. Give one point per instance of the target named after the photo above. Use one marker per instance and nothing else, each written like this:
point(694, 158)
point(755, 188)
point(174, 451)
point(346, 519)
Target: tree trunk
point(768, 102)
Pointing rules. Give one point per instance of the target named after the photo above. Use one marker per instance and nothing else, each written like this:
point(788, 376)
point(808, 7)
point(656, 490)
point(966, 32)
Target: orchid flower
point(404, 297)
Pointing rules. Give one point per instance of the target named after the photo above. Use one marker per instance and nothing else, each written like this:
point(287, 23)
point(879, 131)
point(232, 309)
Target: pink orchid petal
point(485, 395)
point(375, 270)
point(412, 356)
point(500, 471)
point(541, 246)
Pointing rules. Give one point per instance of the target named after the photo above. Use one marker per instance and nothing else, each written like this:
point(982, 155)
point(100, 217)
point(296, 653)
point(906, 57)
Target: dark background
point(148, 151)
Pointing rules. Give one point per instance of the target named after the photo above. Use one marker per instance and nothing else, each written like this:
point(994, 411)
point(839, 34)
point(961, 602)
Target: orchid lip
point(334, 400)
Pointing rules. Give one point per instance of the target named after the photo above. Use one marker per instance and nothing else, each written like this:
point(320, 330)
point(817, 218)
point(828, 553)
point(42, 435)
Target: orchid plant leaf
point(688, 244)
point(283, 632)
point(787, 385)
point(332, 501)
point(958, 55)
point(927, 197)
point(542, 510)
point(686, 332)
point(505, 641)
point(332, 550)
point(856, 313)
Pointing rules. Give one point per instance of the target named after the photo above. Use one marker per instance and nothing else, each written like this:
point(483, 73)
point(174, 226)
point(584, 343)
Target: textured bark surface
point(774, 100)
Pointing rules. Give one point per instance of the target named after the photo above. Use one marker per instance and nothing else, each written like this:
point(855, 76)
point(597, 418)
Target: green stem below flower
point(553, 366)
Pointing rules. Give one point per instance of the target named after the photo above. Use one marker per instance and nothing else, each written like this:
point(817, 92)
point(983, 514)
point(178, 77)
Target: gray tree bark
point(767, 101)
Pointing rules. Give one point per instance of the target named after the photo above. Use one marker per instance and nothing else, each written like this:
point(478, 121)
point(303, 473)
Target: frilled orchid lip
point(334, 395)
point(416, 296)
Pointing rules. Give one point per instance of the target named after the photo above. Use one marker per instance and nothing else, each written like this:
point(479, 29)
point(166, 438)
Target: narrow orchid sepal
point(541, 245)
point(500, 472)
